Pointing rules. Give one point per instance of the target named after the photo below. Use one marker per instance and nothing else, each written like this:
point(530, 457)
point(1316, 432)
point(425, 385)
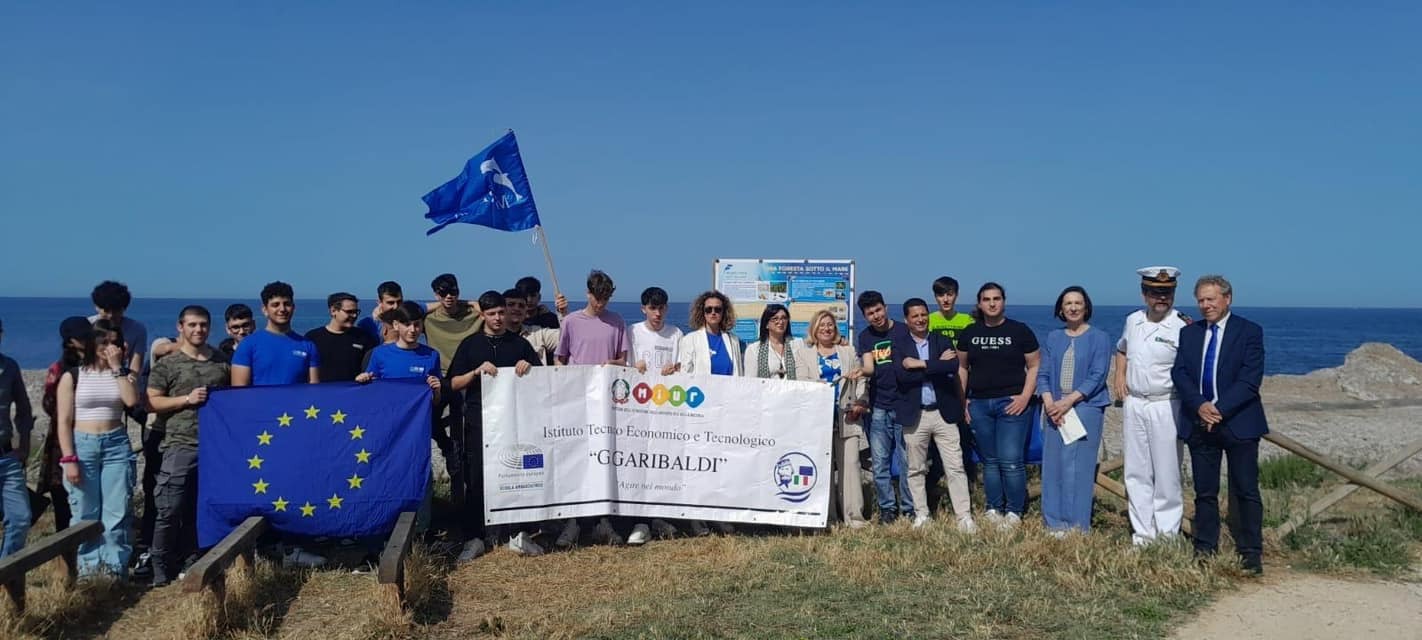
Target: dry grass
point(878, 582)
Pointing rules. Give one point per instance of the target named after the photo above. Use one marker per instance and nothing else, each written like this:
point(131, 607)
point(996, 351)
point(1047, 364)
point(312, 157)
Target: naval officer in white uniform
point(1144, 356)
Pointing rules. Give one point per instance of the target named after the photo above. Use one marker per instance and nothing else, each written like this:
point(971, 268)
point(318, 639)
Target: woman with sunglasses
point(711, 348)
point(774, 354)
point(97, 456)
point(997, 366)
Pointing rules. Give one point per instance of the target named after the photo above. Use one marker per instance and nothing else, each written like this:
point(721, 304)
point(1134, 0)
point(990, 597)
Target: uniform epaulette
point(1182, 315)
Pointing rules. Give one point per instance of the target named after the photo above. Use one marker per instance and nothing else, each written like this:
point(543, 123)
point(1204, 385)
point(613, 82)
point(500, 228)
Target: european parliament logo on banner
point(335, 459)
point(492, 191)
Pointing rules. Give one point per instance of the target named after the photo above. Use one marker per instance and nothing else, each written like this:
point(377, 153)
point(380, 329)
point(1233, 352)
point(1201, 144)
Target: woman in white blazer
point(823, 357)
point(707, 348)
point(775, 354)
point(710, 348)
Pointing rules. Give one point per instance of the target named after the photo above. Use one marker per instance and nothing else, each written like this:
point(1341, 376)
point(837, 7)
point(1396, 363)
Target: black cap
point(75, 327)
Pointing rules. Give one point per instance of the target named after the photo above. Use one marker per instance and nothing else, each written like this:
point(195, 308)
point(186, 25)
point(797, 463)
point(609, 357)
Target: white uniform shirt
point(656, 348)
point(1150, 352)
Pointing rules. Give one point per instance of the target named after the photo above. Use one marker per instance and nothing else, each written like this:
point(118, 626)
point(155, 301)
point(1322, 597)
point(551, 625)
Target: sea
point(1296, 340)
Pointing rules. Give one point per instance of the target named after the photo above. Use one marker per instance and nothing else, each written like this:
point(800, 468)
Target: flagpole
point(548, 257)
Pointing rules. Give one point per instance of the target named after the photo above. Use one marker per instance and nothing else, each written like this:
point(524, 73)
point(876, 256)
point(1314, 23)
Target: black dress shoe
point(1253, 565)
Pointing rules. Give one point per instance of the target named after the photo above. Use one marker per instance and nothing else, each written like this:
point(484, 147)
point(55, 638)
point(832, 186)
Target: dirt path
point(1300, 606)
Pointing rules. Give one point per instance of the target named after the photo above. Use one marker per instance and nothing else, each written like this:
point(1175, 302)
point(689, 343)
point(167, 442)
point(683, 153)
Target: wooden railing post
point(62, 545)
point(391, 574)
point(207, 572)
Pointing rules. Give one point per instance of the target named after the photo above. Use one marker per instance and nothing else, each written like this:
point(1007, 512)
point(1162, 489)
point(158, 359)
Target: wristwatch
point(124, 372)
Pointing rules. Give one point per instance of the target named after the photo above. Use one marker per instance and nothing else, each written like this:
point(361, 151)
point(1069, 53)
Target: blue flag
point(492, 190)
point(335, 459)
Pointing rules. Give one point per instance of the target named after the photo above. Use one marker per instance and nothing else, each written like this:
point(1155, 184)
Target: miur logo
point(659, 394)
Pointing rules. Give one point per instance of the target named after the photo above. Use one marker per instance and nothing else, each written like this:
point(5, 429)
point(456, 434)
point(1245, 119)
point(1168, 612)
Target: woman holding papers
point(1072, 385)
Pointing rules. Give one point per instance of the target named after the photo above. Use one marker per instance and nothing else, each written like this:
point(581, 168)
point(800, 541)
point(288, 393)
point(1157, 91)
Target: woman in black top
point(997, 366)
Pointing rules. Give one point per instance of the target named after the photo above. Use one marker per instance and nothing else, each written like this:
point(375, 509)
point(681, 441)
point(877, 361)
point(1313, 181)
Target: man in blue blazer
point(1218, 369)
point(930, 408)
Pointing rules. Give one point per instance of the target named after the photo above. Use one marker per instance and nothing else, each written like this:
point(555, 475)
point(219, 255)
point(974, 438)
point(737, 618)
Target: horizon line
point(633, 301)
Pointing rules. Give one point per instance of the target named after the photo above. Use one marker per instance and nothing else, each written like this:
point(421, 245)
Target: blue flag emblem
point(335, 459)
point(492, 191)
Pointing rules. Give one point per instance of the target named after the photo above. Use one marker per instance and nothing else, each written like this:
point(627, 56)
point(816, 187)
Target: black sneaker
point(143, 567)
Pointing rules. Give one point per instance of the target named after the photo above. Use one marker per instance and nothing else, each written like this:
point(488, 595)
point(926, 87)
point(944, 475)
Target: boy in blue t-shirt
point(405, 357)
point(277, 355)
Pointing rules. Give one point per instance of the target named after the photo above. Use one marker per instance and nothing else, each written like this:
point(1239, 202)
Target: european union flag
point(335, 459)
point(492, 190)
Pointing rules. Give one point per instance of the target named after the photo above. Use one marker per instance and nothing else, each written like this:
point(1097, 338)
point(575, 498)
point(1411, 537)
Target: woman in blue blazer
point(1072, 378)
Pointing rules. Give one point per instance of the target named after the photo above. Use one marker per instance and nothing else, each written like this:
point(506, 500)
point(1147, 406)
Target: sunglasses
point(447, 292)
point(710, 310)
point(1159, 293)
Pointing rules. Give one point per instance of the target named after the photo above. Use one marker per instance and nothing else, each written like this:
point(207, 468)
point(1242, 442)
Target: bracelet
point(69, 459)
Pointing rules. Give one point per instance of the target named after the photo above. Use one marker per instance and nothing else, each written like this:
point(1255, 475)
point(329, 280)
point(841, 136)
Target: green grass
point(1382, 544)
point(1289, 471)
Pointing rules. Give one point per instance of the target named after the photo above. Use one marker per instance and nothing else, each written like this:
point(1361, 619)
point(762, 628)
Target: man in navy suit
point(1218, 369)
point(930, 408)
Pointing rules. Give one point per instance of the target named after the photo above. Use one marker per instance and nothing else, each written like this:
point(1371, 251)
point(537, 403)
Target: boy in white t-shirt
point(653, 348)
point(653, 341)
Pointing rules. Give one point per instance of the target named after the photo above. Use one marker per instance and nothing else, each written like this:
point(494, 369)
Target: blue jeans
point(1002, 443)
point(886, 455)
point(16, 498)
point(1069, 472)
point(105, 489)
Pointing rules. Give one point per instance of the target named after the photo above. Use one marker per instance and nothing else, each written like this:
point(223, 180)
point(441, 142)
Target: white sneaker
point(296, 557)
point(472, 549)
point(966, 524)
point(662, 528)
point(920, 521)
point(1009, 522)
point(569, 536)
point(524, 545)
point(993, 516)
point(857, 524)
point(1059, 534)
point(640, 534)
point(604, 532)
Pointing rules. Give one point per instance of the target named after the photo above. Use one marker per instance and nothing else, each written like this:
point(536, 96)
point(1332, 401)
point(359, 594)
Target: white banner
point(565, 442)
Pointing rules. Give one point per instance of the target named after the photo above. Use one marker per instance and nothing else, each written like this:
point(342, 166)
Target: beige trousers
point(932, 429)
point(847, 494)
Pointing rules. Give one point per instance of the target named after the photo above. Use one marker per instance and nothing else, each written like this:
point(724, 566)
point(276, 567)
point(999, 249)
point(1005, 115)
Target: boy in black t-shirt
point(342, 347)
point(478, 355)
point(875, 345)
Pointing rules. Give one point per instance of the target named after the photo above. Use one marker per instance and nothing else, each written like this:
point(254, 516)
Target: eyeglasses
point(351, 312)
point(780, 319)
point(710, 310)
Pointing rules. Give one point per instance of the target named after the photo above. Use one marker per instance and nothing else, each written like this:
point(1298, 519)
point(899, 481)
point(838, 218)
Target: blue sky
point(206, 148)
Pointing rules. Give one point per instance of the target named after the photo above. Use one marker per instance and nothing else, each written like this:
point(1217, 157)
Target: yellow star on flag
point(357, 433)
point(261, 485)
point(284, 419)
point(254, 462)
point(334, 501)
point(280, 504)
point(312, 412)
point(264, 437)
point(308, 510)
point(338, 417)
point(355, 480)
point(362, 456)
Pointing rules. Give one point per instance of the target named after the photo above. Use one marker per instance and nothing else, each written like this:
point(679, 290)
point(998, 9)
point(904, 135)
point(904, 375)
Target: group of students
point(938, 378)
